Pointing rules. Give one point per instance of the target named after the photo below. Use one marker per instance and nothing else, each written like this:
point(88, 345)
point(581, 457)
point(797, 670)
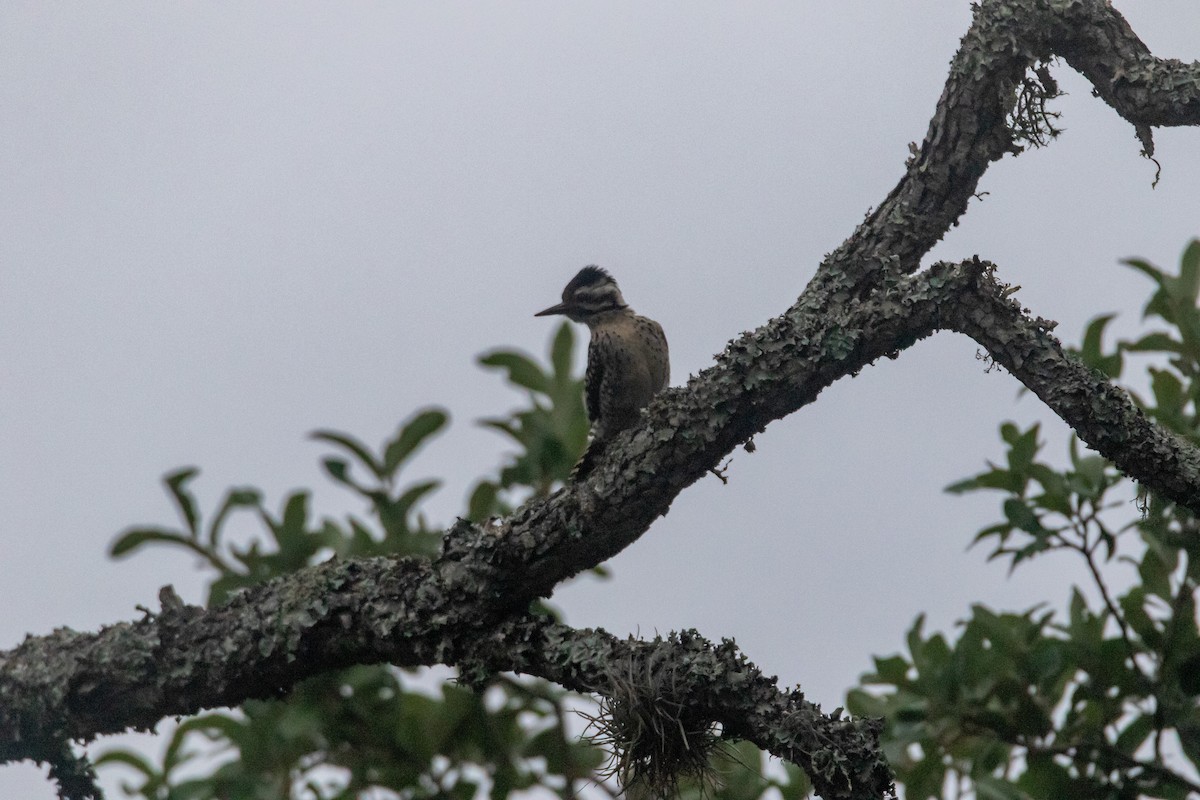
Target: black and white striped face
point(593, 291)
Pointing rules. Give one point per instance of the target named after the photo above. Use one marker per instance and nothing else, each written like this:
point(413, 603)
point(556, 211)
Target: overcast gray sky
point(228, 224)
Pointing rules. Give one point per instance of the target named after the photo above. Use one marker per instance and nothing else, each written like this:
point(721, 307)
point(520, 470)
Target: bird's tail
point(587, 462)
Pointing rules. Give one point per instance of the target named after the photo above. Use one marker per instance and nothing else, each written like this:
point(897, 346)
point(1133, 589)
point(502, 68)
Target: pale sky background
point(225, 225)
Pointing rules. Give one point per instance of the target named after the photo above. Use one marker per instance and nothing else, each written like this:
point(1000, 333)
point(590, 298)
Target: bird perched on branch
point(627, 361)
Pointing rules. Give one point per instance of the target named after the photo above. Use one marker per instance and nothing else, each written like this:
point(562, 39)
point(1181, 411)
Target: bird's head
point(589, 294)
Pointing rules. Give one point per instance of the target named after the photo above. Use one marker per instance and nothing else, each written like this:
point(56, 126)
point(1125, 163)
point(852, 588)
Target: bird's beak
point(561, 308)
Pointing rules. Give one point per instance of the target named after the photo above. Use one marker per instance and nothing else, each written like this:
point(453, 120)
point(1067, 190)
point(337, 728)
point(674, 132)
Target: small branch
point(1080, 755)
point(1097, 41)
point(720, 472)
point(1122, 625)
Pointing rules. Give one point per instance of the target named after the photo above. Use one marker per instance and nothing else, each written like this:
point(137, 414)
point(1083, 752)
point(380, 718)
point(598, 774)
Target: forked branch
point(867, 300)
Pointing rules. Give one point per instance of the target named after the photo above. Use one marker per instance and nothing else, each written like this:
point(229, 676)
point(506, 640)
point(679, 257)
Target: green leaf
point(1057, 494)
point(1022, 516)
point(893, 670)
point(1189, 272)
point(522, 370)
point(933, 654)
point(212, 726)
point(1133, 604)
point(483, 501)
point(1009, 432)
point(134, 538)
point(293, 524)
point(234, 499)
point(1023, 449)
point(740, 767)
point(550, 745)
point(865, 704)
point(1182, 628)
point(1001, 531)
point(1146, 268)
point(963, 486)
point(1085, 628)
point(1168, 389)
point(175, 754)
point(1091, 350)
point(988, 787)
point(914, 638)
point(1160, 303)
point(798, 785)
point(177, 486)
point(411, 435)
point(1135, 733)
point(505, 427)
point(1045, 778)
point(1189, 675)
point(996, 478)
point(357, 448)
point(561, 351)
point(130, 759)
point(1155, 575)
point(199, 789)
point(1090, 479)
point(924, 781)
point(1154, 343)
point(338, 469)
point(398, 509)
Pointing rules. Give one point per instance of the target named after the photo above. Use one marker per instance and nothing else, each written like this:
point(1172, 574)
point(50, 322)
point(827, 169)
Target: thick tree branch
point(1101, 413)
point(186, 658)
point(714, 682)
point(1097, 41)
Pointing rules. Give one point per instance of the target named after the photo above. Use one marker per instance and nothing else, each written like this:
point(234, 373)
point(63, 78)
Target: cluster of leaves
point(1106, 702)
point(735, 772)
point(370, 728)
point(293, 540)
point(551, 433)
point(340, 734)
point(360, 729)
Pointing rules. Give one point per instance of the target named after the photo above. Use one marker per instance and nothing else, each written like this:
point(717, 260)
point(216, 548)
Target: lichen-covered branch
point(695, 679)
point(867, 300)
point(970, 127)
point(762, 376)
point(1101, 413)
point(128, 676)
point(184, 658)
point(1096, 40)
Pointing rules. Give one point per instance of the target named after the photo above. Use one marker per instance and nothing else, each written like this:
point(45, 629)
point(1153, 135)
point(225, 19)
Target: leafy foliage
point(551, 433)
point(368, 728)
point(1099, 704)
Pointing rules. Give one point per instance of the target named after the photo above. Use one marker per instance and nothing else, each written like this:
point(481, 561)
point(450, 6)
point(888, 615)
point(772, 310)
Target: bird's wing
point(663, 378)
point(592, 380)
